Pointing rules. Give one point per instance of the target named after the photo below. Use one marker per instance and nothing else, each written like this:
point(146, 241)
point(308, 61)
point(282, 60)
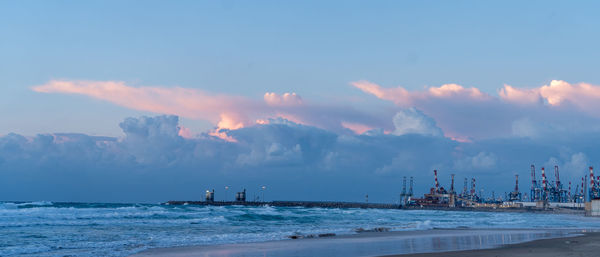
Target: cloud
point(282, 142)
point(306, 150)
point(185, 132)
point(582, 96)
point(526, 128)
point(482, 160)
point(287, 99)
point(462, 113)
point(577, 165)
point(413, 121)
point(152, 162)
point(467, 113)
point(190, 103)
point(357, 128)
point(398, 95)
point(455, 90)
point(403, 97)
point(571, 164)
point(520, 96)
point(226, 112)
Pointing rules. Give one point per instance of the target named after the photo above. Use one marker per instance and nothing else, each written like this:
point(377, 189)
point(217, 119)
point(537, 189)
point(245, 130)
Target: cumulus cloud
point(282, 142)
point(185, 132)
point(520, 96)
point(413, 121)
point(287, 99)
point(583, 96)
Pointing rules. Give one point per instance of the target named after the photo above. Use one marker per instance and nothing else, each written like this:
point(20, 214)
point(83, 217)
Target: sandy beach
point(436, 242)
point(587, 244)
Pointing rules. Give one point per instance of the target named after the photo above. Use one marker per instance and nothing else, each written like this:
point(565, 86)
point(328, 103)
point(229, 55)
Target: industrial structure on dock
point(543, 193)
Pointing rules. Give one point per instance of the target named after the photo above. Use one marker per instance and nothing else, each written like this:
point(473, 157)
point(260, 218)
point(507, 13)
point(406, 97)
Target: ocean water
point(95, 229)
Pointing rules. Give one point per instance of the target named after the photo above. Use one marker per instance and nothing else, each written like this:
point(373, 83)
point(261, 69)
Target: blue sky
point(325, 52)
point(312, 48)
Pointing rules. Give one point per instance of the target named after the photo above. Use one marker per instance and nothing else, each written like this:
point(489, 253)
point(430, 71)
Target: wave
point(96, 229)
point(15, 205)
point(256, 217)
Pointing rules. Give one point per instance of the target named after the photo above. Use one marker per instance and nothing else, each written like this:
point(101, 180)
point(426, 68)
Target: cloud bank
point(304, 150)
point(153, 162)
point(460, 113)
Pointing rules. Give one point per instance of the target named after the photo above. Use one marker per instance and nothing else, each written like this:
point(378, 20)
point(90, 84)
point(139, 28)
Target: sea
point(107, 229)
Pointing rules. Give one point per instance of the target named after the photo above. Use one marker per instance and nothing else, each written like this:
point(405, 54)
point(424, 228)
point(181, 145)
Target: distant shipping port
point(543, 196)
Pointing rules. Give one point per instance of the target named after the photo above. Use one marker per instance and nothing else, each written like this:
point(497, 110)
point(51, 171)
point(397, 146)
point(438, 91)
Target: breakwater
point(347, 205)
point(305, 204)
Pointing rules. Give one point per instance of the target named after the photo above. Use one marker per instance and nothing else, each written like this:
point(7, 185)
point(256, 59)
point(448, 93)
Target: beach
point(118, 230)
point(584, 245)
point(435, 242)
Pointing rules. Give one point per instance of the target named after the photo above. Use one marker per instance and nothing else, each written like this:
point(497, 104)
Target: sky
point(147, 101)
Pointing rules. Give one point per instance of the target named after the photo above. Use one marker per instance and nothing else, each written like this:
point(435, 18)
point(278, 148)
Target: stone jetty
point(307, 204)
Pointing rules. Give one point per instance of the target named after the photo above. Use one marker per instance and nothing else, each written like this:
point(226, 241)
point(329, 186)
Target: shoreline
point(436, 242)
point(585, 245)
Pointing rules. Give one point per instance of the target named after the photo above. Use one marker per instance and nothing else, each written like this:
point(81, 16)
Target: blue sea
point(99, 229)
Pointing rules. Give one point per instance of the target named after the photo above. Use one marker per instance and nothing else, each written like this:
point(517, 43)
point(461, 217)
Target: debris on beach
point(379, 229)
point(298, 236)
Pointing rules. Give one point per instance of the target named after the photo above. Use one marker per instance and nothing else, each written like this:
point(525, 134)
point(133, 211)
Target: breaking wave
point(105, 229)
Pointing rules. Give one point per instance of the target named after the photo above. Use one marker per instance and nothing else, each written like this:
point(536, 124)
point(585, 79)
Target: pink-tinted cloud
point(403, 97)
point(398, 95)
point(582, 95)
point(287, 99)
point(457, 110)
point(185, 132)
point(229, 121)
point(226, 112)
point(189, 103)
point(519, 95)
point(455, 90)
point(468, 113)
point(357, 128)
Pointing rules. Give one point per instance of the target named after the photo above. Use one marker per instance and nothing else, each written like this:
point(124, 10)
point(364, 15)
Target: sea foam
point(96, 229)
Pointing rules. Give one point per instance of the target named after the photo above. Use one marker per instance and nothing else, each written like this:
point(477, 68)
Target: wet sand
point(581, 246)
point(406, 243)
